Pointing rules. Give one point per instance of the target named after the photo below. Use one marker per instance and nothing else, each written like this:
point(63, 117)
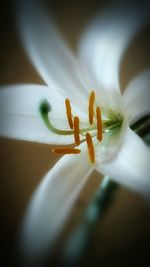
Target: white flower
point(121, 154)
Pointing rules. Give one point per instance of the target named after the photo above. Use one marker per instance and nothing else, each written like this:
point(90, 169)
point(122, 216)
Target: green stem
point(77, 245)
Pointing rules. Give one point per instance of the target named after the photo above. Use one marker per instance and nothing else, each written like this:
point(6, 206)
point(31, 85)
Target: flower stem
point(77, 244)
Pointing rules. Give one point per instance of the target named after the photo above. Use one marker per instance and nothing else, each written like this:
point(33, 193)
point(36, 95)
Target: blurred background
point(123, 235)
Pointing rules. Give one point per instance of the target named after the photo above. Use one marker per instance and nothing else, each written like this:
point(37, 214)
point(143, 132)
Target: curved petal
point(51, 204)
point(20, 117)
point(131, 167)
point(49, 54)
point(137, 96)
point(105, 40)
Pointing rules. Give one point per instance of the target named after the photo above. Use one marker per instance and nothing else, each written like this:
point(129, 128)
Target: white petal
point(105, 40)
point(52, 202)
point(137, 96)
point(49, 54)
point(20, 117)
point(131, 167)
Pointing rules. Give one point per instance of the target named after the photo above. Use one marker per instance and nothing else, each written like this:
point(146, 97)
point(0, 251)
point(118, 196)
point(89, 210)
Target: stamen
point(69, 113)
point(99, 124)
point(66, 150)
point(91, 107)
point(90, 147)
point(76, 130)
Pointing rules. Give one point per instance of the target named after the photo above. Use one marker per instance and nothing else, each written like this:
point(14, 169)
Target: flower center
point(98, 126)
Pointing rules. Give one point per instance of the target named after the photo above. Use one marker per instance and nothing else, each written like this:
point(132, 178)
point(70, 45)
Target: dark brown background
point(123, 234)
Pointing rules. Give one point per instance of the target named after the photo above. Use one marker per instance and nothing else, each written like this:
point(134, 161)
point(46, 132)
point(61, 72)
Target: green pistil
point(45, 108)
point(108, 125)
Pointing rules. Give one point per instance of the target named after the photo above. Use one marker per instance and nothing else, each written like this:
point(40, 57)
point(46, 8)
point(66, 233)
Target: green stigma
point(45, 107)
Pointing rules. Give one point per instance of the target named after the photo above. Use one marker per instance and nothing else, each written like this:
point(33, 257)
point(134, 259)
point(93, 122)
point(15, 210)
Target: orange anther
point(90, 147)
point(68, 112)
point(91, 107)
point(66, 150)
point(76, 130)
point(99, 124)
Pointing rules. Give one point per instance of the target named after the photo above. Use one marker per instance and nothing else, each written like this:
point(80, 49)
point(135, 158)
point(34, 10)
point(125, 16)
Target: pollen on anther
point(76, 130)
point(69, 113)
point(91, 107)
point(90, 148)
point(99, 124)
point(66, 150)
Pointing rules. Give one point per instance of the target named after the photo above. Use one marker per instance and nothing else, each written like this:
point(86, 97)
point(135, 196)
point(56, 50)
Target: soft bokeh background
point(123, 234)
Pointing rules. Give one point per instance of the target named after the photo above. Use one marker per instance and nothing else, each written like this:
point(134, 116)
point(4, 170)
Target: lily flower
point(81, 104)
